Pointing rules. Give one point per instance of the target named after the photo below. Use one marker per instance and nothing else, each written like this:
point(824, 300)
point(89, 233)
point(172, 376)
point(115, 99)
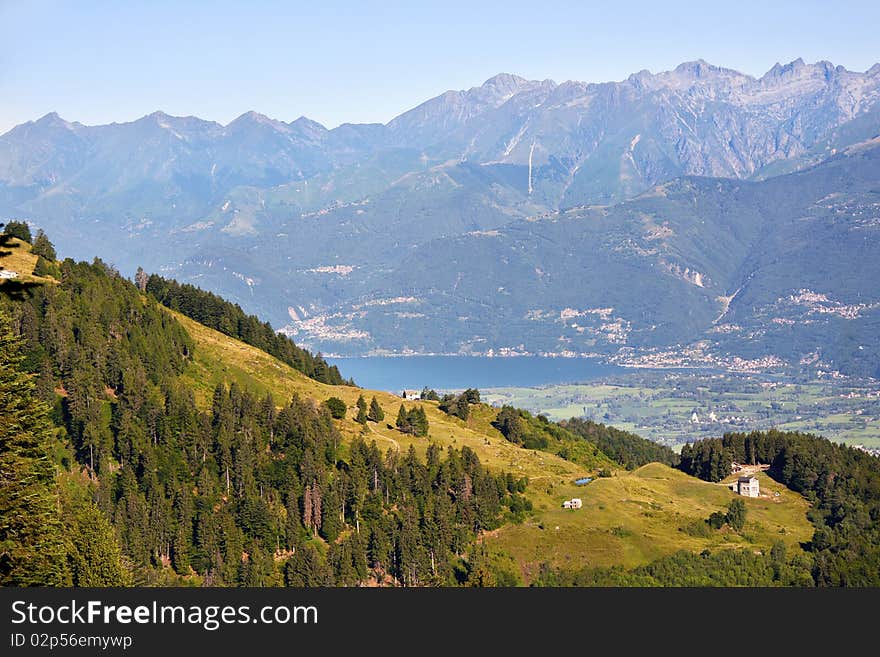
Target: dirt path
point(389, 438)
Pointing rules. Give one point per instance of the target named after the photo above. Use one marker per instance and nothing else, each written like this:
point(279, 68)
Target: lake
point(394, 373)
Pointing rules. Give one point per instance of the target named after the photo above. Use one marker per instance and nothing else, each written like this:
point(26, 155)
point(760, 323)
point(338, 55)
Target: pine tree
point(32, 548)
point(336, 407)
point(461, 408)
point(402, 422)
point(419, 421)
point(736, 514)
point(362, 410)
point(93, 553)
point(43, 247)
point(472, 395)
point(376, 413)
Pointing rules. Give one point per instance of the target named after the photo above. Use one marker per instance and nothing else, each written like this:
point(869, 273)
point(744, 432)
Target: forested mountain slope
point(185, 456)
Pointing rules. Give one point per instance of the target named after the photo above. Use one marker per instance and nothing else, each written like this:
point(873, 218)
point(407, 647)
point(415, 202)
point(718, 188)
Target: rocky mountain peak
point(252, 119)
point(793, 70)
point(53, 120)
point(697, 69)
point(504, 83)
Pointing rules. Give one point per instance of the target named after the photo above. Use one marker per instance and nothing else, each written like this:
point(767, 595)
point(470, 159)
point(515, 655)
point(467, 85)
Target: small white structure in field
point(748, 486)
point(5, 273)
point(566, 504)
point(695, 419)
point(573, 503)
point(412, 394)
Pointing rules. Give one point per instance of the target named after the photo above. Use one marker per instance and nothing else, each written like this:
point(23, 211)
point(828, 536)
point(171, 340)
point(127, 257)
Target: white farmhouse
point(748, 486)
point(412, 394)
point(5, 274)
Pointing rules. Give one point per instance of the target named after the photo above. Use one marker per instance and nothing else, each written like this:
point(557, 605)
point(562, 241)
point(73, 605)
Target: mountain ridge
point(696, 68)
point(239, 208)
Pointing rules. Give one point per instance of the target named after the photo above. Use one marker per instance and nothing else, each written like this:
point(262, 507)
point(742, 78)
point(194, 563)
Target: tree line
point(538, 432)
point(628, 449)
point(228, 318)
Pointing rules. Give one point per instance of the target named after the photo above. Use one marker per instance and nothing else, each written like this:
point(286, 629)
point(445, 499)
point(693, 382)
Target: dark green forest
point(228, 318)
point(118, 478)
point(627, 449)
point(537, 432)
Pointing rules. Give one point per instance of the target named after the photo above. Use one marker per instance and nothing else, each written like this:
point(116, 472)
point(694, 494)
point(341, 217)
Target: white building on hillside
point(5, 273)
point(748, 486)
point(412, 394)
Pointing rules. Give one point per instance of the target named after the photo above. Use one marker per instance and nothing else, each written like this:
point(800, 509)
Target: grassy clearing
point(633, 518)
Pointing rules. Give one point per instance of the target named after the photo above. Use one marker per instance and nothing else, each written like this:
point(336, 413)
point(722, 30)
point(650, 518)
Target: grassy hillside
point(220, 358)
point(633, 518)
point(628, 519)
point(21, 260)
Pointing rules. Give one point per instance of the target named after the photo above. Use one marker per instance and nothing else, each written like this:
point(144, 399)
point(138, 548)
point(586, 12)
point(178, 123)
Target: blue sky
point(98, 62)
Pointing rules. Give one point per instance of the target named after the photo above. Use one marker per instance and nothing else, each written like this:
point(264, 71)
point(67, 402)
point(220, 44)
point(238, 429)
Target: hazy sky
point(98, 62)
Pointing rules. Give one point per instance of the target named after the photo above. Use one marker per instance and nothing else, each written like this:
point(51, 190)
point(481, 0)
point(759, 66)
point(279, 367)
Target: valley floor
point(675, 407)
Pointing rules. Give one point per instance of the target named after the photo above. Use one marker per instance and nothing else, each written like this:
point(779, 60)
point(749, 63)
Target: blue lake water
point(394, 373)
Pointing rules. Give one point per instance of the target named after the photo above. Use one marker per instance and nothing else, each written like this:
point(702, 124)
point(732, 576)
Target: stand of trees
point(252, 491)
point(412, 421)
point(457, 405)
point(628, 449)
point(537, 432)
point(721, 568)
point(375, 413)
point(228, 318)
point(49, 536)
point(18, 229)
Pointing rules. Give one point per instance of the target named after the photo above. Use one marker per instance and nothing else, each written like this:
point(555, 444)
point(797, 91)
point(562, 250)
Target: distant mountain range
point(695, 215)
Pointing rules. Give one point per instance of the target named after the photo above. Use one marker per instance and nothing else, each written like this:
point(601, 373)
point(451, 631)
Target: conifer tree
point(419, 421)
point(362, 410)
point(32, 548)
point(93, 553)
point(43, 247)
point(140, 279)
point(402, 422)
point(376, 414)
